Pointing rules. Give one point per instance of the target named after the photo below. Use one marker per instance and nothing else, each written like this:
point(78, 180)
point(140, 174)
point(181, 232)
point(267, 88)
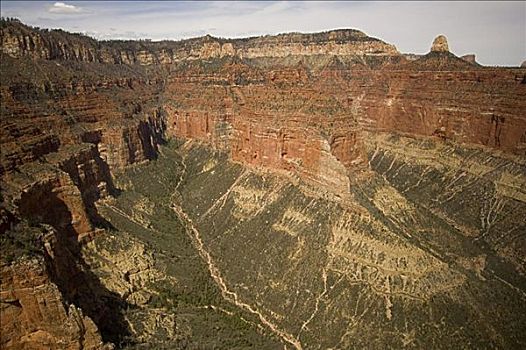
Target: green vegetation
point(23, 240)
point(273, 243)
point(204, 319)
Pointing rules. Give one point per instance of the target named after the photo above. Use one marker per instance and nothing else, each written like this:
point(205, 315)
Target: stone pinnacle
point(440, 44)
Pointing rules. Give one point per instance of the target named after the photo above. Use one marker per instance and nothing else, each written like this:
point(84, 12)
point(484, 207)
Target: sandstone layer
point(18, 41)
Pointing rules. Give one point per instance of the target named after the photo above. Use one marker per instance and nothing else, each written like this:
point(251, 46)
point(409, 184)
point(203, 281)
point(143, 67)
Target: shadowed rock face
point(367, 191)
point(34, 315)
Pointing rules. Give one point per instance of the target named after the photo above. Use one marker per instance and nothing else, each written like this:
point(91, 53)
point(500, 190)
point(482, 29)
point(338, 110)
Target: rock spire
point(440, 44)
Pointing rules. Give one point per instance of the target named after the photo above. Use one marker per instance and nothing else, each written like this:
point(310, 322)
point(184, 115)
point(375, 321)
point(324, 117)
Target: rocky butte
point(305, 191)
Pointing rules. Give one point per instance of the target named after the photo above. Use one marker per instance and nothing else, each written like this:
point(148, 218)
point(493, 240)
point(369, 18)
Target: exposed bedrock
point(422, 157)
point(62, 143)
point(440, 44)
point(303, 151)
point(19, 40)
point(471, 58)
point(35, 316)
point(61, 193)
point(472, 107)
point(306, 125)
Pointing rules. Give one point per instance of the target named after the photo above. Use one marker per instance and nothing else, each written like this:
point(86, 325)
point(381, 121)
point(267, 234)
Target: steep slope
point(384, 260)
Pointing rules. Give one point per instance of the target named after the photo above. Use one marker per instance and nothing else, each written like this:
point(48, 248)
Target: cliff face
point(66, 129)
point(473, 107)
point(68, 141)
point(34, 315)
point(77, 112)
point(18, 40)
point(309, 118)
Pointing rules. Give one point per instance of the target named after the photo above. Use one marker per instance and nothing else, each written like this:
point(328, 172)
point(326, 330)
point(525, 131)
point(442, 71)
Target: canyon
point(297, 191)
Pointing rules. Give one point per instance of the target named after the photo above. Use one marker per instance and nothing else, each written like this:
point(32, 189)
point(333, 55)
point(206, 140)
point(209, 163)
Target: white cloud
point(61, 7)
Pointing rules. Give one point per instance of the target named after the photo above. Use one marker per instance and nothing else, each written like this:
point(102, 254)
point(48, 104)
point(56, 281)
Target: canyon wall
point(76, 112)
point(34, 315)
point(66, 130)
point(308, 117)
point(474, 106)
point(19, 40)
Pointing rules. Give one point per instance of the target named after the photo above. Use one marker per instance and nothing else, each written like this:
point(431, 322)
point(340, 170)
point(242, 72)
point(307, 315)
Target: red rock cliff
point(34, 315)
point(308, 117)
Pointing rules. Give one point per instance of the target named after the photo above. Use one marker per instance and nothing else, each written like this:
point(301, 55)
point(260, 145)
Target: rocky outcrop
point(130, 142)
point(243, 120)
point(338, 42)
point(470, 58)
point(411, 56)
point(76, 112)
point(35, 316)
point(302, 152)
point(59, 194)
point(440, 44)
point(293, 117)
point(473, 107)
point(65, 131)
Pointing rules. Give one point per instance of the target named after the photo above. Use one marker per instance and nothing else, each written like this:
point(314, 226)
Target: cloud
point(63, 8)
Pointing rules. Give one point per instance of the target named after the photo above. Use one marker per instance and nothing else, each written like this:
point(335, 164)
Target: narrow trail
point(225, 292)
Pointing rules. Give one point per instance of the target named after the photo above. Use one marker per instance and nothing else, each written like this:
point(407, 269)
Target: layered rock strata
point(66, 129)
point(77, 112)
point(19, 41)
point(309, 118)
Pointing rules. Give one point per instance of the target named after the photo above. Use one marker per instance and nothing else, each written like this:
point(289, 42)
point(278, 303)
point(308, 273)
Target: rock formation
point(18, 41)
point(338, 114)
point(34, 314)
point(469, 58)
point(440, 44)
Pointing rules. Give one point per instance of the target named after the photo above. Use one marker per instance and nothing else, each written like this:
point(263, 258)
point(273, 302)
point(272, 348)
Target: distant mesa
point(440, 44)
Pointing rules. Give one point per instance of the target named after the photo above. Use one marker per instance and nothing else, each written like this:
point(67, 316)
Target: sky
point(494, 31)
